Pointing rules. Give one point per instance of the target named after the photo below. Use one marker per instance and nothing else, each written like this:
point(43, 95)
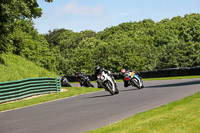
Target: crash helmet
point(79, 74)
point(97, 69)
point(123, 70)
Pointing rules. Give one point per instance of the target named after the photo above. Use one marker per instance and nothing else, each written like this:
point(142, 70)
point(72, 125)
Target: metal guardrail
point(170, 72)
point(14, 90)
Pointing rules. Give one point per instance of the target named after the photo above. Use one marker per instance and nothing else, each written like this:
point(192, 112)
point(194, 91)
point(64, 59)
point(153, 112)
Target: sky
point(97, 15)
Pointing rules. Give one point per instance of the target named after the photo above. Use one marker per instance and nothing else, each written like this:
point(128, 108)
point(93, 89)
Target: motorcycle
point(85, 81)
point(130, 78)
point(106, 81)
point(65, 82)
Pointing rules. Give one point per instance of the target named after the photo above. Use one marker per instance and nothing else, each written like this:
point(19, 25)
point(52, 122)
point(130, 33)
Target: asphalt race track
point(89, 111)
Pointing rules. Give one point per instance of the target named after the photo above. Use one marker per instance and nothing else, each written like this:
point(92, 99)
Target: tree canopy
point(11, 10)
point(141, 46)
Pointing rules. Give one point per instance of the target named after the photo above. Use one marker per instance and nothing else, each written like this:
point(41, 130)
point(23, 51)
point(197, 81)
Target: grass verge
point(16, 68)
point(71, 91)
point(182, 116)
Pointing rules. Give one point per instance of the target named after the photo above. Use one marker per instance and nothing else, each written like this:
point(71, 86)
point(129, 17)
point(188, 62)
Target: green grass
point(179, 117)
point(72, 91)
point(13, 67)
point(182, 116)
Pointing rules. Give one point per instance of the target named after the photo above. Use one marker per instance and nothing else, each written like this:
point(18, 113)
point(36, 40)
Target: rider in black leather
point(79, 76)
point(99, 70)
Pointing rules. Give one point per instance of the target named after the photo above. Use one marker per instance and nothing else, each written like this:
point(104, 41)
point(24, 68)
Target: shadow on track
point(131, 89)
point(99, 96)
point(176, 84)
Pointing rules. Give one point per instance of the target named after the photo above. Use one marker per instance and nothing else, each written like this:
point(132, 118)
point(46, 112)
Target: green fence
point(14, 90)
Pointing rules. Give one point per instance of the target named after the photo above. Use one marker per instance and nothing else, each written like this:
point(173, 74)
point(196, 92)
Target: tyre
point(90, 85)
point(68, 85)
point(99, 86)
point(136, 82)
point(126, 84)
point(116, 90)
point(142, 85)
point(109, 87)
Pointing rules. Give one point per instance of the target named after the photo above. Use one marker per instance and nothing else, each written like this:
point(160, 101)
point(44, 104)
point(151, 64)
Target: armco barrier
point(14, 90)
point(169, 72)
point(195, 70)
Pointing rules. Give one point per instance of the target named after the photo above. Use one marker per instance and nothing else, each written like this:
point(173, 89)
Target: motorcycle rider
point(84, 80)
point(99, 70)
point(64, 82)
point(123, 72)
point(80, 76)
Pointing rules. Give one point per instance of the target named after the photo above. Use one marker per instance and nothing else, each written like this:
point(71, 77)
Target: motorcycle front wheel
point(109, 87)
point(136, 82)
point(90, 85)
point(68, 85)
point(142, 85)
point(116, 89)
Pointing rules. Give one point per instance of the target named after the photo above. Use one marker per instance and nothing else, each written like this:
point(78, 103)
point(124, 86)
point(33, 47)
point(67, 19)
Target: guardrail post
point(58, 84)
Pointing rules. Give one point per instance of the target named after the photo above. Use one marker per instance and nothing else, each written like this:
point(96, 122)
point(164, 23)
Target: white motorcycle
point(106, 81)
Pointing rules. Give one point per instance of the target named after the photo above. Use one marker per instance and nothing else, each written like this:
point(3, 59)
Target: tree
point(53, 37)
point(144, 45)
point(11, 11)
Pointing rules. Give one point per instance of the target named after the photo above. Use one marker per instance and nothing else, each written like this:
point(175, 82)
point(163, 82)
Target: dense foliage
point(143, 45)
point(11, 10)
point(18, 35)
